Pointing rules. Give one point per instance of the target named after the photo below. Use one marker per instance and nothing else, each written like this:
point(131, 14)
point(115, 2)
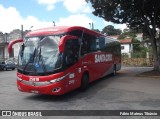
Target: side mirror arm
point(12, 43)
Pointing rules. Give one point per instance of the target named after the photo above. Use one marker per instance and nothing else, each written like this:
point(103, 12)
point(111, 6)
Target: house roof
point(114, 36)
point(126, 41)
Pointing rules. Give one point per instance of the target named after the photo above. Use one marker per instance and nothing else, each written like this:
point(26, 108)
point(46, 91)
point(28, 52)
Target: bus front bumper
point(39, 88)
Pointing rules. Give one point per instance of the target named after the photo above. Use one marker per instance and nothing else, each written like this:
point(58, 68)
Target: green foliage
point(139, 51)
point(126, 34)
point(132, 12)
point(122, 36)
point(110, 30)
point(137, 14)
point(97, 30)
point(136, 45)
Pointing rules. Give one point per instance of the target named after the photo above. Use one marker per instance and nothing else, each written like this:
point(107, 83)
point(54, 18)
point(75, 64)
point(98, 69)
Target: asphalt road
point(125, 91)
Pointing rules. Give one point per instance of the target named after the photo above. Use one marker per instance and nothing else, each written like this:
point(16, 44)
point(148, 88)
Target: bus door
point(88, 51)
point(71, 62)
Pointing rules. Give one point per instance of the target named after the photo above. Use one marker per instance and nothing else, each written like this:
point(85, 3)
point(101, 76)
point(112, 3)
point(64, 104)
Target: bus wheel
point(114, 70)
point(84, 82)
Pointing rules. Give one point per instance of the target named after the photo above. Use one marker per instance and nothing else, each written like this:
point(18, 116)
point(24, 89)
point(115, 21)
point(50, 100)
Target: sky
point(35, 14)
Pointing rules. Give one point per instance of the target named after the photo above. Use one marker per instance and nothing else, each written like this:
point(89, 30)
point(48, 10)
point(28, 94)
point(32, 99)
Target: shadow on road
point(95, 87)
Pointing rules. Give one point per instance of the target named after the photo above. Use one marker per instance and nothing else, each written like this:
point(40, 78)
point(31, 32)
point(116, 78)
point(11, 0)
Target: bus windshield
point(40, 55)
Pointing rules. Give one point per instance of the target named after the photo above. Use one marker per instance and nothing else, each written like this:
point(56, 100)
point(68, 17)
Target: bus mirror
point(63, 41)
point(12, 43)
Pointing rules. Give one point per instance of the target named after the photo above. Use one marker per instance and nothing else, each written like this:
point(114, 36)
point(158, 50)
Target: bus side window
point(101, 43)
point(84, 48)
point(93, 44)
point(88, 44)
point(71, 51)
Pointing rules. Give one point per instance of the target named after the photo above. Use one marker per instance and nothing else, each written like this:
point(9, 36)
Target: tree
point(97, 30)
point(129, 33)
point(137, 14)
point(110, 30)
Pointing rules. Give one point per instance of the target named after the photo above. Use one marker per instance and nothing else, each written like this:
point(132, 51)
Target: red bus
point(59, 59)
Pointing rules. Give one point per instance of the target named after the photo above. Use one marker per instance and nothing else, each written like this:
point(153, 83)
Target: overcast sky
point(42, 13)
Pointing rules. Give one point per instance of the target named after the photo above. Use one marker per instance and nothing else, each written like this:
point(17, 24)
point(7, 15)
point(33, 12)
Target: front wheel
point(84, 82)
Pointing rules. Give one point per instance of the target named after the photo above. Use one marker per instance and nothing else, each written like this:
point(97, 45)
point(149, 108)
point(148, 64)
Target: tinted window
point(71, 52)
point(88, 44)
point(101, 43)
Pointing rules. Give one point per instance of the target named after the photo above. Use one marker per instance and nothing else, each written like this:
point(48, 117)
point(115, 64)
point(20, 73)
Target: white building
point(4, 41)
point(126, 46)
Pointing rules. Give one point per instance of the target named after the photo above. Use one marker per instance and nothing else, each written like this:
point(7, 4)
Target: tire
point(13, 68)
point(84, 82)
point(114, 70)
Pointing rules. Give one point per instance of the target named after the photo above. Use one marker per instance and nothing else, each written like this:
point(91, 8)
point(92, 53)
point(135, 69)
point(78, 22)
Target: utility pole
point(22, 31)
point(91, 26)
point(54, 24)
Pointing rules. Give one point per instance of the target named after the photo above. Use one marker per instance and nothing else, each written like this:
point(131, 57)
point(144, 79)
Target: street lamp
point(90, 25)
point(54, 23)
point(22, 31)
point(30, 28)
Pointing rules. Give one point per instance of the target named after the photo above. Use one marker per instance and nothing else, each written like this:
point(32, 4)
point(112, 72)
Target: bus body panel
point(73, 79)
point(70, 82)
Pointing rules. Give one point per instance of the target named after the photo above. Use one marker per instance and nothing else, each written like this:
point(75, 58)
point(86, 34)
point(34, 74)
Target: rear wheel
point(114, 70)
point(84, 82)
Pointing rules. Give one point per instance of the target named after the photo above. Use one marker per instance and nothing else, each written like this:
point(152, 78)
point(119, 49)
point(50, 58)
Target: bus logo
point(6, 113)
point(103, 58)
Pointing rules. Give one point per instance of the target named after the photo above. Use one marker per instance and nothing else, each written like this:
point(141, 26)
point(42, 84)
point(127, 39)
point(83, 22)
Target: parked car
point(8, 64)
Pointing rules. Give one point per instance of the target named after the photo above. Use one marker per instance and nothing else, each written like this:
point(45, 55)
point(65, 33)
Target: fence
point(137, 59)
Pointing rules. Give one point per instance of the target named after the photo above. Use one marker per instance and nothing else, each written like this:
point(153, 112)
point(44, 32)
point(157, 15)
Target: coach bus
point(56, 60)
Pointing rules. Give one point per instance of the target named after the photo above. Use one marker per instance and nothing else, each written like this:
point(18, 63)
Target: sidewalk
point(141, 71)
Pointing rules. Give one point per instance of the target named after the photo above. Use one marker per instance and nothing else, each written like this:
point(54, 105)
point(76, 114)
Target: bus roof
point(59, 30)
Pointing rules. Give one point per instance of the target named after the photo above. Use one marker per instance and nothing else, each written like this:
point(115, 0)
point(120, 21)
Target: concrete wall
point(6, 53)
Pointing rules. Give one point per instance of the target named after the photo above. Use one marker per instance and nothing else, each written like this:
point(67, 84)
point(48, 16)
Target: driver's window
point(71, 51)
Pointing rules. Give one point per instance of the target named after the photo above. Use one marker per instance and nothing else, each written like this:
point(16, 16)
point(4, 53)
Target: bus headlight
point(58, 79)
point(19, 79)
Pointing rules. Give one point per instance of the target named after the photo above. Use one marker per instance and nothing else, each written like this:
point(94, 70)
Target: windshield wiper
point(41, 57)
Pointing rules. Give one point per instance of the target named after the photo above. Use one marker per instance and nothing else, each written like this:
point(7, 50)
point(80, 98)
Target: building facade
point(5, 38)
point(126, 46)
